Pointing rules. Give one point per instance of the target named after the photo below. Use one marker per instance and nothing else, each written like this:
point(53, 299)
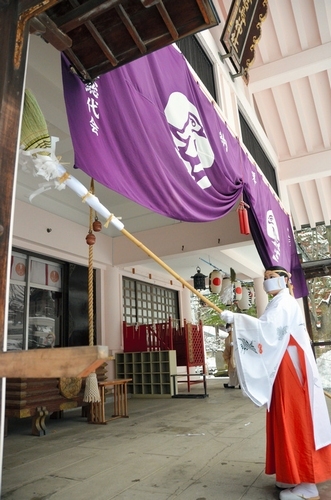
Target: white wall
point(66, 242)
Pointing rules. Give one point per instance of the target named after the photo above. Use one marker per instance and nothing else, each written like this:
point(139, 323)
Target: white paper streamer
point(48, 166)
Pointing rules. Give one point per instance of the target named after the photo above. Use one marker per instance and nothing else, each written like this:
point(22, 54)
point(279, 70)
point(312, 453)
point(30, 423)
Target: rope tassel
point(243, 218)
point(92, 393)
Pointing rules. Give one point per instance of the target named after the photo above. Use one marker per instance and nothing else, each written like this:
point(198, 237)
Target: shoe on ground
point(289, 495)
point(284, 486)
point(227, 386)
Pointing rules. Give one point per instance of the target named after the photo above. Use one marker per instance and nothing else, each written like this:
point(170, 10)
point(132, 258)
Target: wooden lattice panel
point(195, 345)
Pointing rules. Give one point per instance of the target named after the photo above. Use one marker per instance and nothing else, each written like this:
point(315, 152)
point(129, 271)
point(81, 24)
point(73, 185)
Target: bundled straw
point(36, 145)
point(34, 131)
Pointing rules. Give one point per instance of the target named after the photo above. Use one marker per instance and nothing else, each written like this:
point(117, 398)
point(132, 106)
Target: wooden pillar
point(14, 33)
point(11, 91)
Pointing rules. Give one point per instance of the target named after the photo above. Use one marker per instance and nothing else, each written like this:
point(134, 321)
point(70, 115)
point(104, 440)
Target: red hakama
point(291, 453)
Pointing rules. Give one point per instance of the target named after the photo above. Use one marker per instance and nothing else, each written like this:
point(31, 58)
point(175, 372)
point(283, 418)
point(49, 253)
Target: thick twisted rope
point(92, 394)
point(90, 282)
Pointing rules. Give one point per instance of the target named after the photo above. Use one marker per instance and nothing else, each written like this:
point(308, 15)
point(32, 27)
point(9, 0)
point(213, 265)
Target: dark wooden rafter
point(37, 27)
point(167, 20)
point(86, 12)
point(54, 36)
point(150, 24)
point(204, 9)
point(98, 38)
point(77, 65)
point(131, 29)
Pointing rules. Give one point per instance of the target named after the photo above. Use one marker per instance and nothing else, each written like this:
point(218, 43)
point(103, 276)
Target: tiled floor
point(188, 449)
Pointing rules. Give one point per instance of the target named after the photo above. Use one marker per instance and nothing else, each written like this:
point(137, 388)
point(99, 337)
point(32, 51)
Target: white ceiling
point(289, 83)
point(290, 89)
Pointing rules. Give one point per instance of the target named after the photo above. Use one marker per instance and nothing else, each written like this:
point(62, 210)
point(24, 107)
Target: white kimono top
point(260, 345)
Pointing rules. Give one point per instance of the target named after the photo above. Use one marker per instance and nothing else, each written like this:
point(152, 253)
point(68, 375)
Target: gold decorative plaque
point(70, 386)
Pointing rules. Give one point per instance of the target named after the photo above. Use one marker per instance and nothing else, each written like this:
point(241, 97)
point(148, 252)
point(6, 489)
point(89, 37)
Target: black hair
point(280, 270)
point(228, 325)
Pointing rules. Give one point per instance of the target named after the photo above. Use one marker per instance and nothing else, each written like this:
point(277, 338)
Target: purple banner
point(147, 131)
point(271, 227)
point(154, 138)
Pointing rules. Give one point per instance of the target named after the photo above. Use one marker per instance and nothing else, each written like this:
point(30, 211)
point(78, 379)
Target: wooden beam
point(85, 12)
point(131, 29)
point(53, 362)
point(98, 38)
point(167, 20)
point(53, 34)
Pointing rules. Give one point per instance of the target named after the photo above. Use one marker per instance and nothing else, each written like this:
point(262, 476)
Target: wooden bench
point(98, 411)
point(40, 398)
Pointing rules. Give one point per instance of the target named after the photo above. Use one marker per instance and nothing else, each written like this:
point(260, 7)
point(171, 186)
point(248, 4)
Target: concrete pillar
point(109, 306)
point(185, 304)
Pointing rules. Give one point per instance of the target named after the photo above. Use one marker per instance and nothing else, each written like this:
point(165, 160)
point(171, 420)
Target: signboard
point(242, 32)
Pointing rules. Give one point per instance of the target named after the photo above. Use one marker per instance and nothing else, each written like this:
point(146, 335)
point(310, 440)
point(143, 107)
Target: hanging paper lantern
point(215, 281)
point(244, 302)
point(238, 290)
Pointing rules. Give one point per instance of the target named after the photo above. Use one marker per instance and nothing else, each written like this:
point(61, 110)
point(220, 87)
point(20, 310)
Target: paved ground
point(187, 449)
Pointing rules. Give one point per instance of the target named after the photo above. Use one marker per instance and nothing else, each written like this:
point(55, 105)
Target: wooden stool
point(120, 401)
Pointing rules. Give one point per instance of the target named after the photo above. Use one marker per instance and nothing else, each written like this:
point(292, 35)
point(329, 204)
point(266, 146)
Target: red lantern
point(243, 218)
point(215, 281)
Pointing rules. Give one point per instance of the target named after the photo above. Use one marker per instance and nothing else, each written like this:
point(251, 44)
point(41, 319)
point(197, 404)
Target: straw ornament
point(36, 152)
point(34, 131)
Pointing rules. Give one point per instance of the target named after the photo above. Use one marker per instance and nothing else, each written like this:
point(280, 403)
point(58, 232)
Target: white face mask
point(274, 284)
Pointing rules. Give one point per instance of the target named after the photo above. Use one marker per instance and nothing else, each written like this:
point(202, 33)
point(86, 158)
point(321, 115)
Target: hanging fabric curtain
point(195, 163)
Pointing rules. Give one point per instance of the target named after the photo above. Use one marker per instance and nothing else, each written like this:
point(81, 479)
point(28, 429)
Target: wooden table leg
point(120, 400)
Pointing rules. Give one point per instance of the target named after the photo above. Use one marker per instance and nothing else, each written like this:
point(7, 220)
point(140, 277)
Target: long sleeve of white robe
point(260, 345)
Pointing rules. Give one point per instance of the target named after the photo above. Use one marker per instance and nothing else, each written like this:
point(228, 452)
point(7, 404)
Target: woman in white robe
point(277, 368)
